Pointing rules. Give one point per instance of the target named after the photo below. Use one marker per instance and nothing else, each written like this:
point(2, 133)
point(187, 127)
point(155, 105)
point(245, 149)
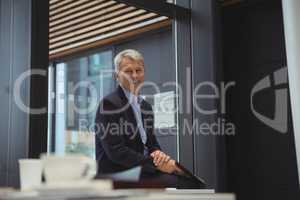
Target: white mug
point(60, 169)
point(30, 173)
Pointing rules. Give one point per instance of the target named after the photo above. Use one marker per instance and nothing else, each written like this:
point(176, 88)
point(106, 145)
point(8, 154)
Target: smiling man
point(125, 128)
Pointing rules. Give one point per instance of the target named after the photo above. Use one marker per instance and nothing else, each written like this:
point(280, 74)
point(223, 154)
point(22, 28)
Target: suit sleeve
point(113, 143)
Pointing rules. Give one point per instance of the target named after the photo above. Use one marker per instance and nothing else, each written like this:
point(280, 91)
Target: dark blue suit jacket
point(118, 143)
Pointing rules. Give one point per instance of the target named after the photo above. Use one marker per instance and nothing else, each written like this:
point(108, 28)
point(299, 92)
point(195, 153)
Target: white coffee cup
point(30, 173)
point(70, 168)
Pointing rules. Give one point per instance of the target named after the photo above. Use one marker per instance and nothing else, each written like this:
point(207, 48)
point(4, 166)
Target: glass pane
point(80, 84)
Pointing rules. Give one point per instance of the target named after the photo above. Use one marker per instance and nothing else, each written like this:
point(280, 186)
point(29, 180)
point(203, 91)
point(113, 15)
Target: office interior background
point(188, 42)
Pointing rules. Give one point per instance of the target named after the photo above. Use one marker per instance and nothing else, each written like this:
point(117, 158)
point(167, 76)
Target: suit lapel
point(122, 100)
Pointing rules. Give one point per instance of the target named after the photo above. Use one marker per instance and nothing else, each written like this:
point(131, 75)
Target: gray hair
point(129, 53)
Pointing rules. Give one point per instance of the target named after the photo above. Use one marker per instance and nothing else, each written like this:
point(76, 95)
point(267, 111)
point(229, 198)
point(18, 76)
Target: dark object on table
point(190, 175)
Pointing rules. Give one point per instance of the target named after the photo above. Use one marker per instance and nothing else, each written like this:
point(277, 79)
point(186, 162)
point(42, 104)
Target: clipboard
point(190, 175)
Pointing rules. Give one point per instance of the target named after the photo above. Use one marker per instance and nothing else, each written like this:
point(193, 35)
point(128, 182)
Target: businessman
point(125, 130)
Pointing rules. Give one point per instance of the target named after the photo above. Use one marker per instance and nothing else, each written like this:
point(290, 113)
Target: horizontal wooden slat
point(103, 30)
point(54, 1)
point(70, 50)
point(115, 33)
point(98, 26)
point(68, 27)
point(59, 3)
point(81, 13)
point(68, 6)
point(75, 25)
point(76, 9)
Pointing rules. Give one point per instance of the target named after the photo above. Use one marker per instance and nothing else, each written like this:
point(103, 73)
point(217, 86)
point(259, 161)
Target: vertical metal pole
point(182, 44)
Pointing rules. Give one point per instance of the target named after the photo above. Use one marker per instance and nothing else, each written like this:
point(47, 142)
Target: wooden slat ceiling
point(74, 24)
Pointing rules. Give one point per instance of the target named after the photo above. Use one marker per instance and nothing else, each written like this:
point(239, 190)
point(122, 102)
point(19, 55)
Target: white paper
point(164, 110)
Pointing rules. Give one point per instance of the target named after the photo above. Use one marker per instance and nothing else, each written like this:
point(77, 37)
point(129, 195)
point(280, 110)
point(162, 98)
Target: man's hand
point(159, 158)
point(164, 163)
point(169, 167)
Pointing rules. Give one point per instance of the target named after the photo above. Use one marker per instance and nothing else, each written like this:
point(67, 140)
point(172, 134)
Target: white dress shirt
point(135, 102)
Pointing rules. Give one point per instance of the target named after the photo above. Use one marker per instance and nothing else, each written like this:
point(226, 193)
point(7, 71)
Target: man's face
point(131, 74)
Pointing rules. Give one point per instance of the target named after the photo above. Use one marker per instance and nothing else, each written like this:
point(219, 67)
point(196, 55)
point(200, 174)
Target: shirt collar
point(131, 97)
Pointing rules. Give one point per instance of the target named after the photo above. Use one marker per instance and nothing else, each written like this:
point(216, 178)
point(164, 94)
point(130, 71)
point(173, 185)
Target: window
point(99, 26)
point(80, 83)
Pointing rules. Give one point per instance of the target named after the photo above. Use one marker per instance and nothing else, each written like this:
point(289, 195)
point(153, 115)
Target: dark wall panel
point(39, 83)
point(5, 50)
point(15, 59)
point(261, 160)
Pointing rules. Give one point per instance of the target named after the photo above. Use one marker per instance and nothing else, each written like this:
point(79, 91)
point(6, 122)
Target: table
point(124, 194)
